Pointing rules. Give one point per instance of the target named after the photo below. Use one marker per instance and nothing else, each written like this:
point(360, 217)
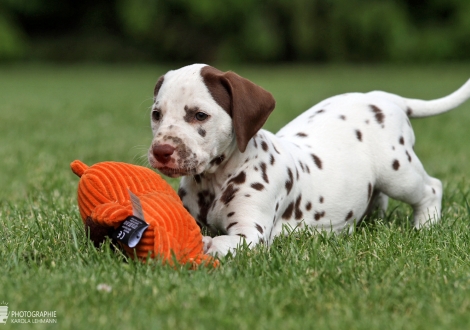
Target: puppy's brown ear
point(248, 104)
point(157, 87)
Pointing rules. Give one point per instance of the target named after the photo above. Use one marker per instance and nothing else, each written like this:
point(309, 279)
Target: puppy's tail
point(420, 108)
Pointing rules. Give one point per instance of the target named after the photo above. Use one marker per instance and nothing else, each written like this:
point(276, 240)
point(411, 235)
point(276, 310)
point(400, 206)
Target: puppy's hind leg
point(428, 210)
point(408, 182)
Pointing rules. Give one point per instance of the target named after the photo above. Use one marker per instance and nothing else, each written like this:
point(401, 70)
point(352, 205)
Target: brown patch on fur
point(264, 175)
point(257, 186)
point(317, 161)
point(308, 207)
point(379, 116)
point(228, 194)
point(264, 145)
point(288, 212)
point(190, 113)
point(359, 135)
point(201, 131)
point(204, 200)
point(319, 215)
point(298, 212)
point(290, 182)
point(408, 155)
point(158, 85)
point(239, 179)
point(396, 165)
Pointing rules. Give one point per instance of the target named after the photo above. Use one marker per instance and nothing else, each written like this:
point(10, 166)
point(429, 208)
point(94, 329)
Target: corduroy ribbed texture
point(103, 197)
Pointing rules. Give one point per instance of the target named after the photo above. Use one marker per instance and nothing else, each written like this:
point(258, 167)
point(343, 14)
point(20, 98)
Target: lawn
point(384, 276)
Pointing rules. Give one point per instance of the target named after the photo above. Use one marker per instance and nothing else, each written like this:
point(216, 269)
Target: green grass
point(384, 276)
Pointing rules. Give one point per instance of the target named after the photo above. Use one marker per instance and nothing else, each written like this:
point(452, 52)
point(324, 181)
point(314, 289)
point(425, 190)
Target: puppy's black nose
point(163, 152)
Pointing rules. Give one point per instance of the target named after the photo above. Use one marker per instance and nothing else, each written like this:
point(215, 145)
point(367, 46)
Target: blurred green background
point(395, 31)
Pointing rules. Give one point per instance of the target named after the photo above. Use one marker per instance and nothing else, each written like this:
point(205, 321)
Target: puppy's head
point(200, 115)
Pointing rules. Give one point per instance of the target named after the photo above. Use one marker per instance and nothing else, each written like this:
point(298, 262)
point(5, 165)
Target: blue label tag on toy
point(130, 231)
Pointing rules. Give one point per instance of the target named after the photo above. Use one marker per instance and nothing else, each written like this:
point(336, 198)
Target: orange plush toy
point(104, 201)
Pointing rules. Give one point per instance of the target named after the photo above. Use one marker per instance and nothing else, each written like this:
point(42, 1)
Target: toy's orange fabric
point(104, 203)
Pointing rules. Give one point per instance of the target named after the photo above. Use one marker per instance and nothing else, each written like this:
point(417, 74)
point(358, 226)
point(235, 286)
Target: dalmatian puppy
point(326, 169)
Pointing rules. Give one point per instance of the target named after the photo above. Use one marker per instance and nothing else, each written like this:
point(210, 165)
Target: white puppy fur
point(327, 168)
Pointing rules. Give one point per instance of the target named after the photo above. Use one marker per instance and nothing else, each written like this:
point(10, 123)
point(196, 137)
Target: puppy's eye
point(201, 116)
point(156, 115)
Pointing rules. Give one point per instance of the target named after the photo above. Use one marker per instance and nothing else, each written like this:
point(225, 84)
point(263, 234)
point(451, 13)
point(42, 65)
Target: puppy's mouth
point(176, 172)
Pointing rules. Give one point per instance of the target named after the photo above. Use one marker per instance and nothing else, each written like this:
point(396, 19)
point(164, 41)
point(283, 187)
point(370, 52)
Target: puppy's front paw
point(207, 241)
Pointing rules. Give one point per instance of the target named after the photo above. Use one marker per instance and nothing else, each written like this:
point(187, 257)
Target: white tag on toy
point(136, 206)
point(131, 230)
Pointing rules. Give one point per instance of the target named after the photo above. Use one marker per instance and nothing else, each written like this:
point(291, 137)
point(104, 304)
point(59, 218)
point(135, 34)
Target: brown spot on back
point(379, 116)
point(321, 199)
point(288, 212)
point(259, 228)
point(396, 165)
point(230, 214)
point(349, 215)
point(317, 161)
point(257, 186)
point(359, 135)
point(401, 140)
point(302, 134)
point(343, 117)
point(408, 155)
point(409, 112)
